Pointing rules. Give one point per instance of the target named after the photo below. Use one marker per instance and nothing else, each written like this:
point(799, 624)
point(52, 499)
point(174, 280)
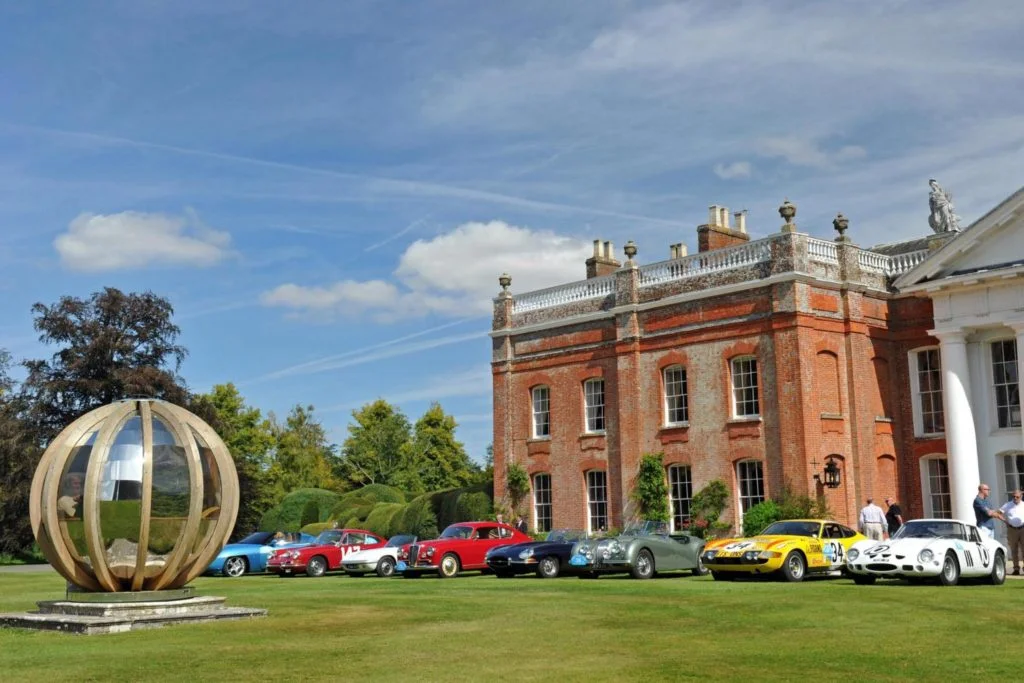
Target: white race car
point(381, 560)
point(947, 549)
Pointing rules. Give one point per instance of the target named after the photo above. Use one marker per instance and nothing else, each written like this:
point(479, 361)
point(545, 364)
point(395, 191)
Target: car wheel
point(235, 567)
point(794, 567)
point(700, 569)
point(950, 574)
point(723, 576)
point(643, 566)
point(449, 567)
point(317, 566)
point(386, 567)
point(998, 575)
point(548, 568)
point(863, 580)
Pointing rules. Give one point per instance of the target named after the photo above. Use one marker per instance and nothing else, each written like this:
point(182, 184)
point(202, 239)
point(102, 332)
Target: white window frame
point(680, 494)
point(917, 394)
point(1011, 388)
point(540, 405)
point(749, 487)
point(675, 396)
point(1012, 463)
point(542, 506)
point(929, 477)
point(744, 367)
point(594, 420)
point(597, 500)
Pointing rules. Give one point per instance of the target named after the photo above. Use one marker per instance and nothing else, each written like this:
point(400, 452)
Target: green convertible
point(643, 549)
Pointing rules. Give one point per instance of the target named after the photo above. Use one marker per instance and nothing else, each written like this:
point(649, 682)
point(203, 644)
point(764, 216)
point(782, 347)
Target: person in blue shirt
point(985, 515)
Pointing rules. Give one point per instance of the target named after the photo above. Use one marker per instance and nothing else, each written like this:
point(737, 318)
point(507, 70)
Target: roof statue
point(941, 217)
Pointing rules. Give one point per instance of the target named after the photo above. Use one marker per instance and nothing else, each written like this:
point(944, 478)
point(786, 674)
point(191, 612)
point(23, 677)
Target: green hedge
point(315, 529)
point(379, 519)
point(758, 517)
point(289, 513)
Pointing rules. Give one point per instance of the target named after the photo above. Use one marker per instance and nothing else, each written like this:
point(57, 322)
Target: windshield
point(646, 528)
point(328, 537)
point(455, 531)
point(258, 538)
point(399, 541)
point(792, 529)
point(566, 535)
point(931, 529)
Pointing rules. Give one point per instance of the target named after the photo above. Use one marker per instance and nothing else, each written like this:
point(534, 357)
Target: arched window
point(541, 412)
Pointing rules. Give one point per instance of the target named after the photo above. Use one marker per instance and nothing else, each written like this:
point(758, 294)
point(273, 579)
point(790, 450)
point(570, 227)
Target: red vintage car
point(462, 546)
point(323, 556)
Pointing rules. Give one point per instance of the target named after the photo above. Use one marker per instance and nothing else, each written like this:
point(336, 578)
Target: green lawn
point(480, 627)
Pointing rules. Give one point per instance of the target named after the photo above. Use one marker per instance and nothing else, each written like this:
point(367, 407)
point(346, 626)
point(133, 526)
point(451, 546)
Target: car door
point(834, 545)
point(484, 538)
point(978, 558)
point(351, 542)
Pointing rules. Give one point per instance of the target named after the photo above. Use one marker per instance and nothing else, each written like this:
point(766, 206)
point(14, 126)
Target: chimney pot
point(597, 248)
point(723, 217)
point(741, 220)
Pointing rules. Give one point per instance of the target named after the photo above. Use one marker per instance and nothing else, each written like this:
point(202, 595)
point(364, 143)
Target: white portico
point(976, 284)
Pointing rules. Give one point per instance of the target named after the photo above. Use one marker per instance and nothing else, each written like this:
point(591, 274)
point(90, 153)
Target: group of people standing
point(879, 525)
point(1012, 514)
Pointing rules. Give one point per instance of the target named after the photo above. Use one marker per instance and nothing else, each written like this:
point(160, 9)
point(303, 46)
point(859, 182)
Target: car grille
point(414, 554)
point(498, 561)
point(881, 567)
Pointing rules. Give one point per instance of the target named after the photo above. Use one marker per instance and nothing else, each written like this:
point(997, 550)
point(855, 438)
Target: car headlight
point(925, 556)
point(430, 551)
point(710, 554)
point(526, 554)
point(852, 554)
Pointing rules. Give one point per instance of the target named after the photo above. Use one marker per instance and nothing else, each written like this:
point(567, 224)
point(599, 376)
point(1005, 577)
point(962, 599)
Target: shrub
point(709, 503)
point(517, 484)
point(473, 507)
point(310, 513)
point(650, 491)
point(419, 519)
point(288, 514)
point(381, 493)
point(379, 519)
point(760, 516)
point(315, 529)
point(448, 511)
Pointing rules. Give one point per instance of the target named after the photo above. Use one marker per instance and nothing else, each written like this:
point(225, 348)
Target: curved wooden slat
point(146, 505)
point(195, 509)
point(91, 499)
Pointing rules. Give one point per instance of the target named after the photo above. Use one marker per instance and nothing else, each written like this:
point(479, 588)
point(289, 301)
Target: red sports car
point(323, 556)
point(462, 546)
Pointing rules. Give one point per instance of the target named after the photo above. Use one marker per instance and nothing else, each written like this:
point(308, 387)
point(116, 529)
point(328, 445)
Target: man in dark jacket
point(893, 515)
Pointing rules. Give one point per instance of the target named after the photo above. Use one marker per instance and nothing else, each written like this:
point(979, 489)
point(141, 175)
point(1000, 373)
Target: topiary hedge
point(379, 519)
point(288, 514)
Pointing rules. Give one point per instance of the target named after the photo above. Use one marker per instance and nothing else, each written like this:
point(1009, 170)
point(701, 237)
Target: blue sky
point(327, 192)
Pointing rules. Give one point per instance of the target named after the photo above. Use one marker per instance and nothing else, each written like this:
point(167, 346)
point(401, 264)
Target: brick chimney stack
point(718, 233)
point(603, 261)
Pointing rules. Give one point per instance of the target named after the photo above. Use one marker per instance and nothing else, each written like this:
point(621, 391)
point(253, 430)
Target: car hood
point(906, 547)
point(371, 555)
point(756, 543)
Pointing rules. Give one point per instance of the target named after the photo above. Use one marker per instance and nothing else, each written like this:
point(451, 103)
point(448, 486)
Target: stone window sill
point(744, 420)
point(882, 418)
point(832, 416)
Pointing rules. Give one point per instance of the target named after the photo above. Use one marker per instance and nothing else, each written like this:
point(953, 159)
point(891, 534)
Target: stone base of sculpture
point(96, 613)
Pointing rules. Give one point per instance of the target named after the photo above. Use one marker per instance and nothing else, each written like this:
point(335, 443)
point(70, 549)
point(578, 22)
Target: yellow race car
point(792, 547)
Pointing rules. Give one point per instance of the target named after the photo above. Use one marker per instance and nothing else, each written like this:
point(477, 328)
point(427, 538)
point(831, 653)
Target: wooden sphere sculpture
point(139, 495)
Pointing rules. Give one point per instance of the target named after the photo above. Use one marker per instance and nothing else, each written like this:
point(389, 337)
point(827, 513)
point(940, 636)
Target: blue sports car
point(251, 553)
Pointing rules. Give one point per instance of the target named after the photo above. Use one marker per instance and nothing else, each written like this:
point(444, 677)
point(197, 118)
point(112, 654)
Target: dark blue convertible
point(548, 558)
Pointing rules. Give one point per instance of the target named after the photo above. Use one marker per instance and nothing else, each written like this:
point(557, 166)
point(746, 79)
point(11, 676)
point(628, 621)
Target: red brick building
point(753, 362)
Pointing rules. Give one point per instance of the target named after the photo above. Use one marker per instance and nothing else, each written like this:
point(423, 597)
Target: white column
point(964, 475)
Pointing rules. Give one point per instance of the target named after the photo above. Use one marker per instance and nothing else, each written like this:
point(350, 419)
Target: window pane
point(680, 491)
point(929, 391)
point(593, 391)
point(542, 502)
point(938, 489)
point(541, 412)
point(1005, 386)
point(675, 396)
point(751, 481)
point(744, 387)
point(597, 500)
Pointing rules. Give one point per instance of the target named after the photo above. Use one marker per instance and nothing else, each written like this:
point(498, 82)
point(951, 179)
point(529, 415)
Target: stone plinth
point(74, 616)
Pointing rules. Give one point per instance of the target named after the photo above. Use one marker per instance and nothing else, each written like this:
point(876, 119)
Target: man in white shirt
point(872, 521)
point(1013, 514)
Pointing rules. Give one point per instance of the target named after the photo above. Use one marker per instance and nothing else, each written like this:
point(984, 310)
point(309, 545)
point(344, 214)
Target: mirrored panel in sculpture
point(70, 498)
point(212, 491)
point(171, 496)
point(120, 494)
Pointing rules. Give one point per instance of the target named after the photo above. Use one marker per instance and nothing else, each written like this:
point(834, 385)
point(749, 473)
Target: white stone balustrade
point(822, 251)
point(901, 263)
point(872, 262)
point(564, 294)
point(707, 262)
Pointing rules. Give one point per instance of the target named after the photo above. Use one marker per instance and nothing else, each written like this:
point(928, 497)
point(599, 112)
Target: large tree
point(112, 346)
point(250, 438)
point(19, 454)
point(440, 460)
point(302, 456)
point(378, 449)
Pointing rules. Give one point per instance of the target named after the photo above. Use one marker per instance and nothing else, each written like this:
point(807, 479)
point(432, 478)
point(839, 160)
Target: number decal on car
point(834, 552)
point(742, 545)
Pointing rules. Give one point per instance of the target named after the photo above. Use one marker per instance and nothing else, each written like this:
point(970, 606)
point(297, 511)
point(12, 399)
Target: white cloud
point(131, 239)
point(737, 169)
point(806, 152)
point(453, 274)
